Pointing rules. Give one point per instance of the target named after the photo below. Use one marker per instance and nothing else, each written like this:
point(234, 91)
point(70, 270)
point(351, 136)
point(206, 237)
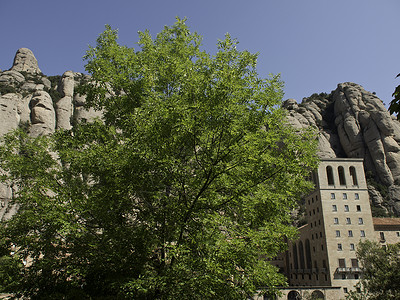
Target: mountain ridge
point(350, 122)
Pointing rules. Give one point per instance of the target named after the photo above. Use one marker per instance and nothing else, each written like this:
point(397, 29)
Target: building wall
point(338, 217)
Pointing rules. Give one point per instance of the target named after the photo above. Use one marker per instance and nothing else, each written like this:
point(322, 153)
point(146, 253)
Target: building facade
point(322, 262)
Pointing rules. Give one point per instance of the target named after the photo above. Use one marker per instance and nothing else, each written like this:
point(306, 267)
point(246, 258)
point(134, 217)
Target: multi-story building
point(322, 262)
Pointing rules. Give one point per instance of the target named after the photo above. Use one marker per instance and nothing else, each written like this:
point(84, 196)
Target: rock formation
point(351, 122)
point(25, 61)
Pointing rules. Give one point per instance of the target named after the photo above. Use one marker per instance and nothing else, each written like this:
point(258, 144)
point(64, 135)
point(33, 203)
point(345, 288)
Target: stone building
point(322, 262)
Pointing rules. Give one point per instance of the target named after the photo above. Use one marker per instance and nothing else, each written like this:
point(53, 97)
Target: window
point(342, 263)
point(357, 288)
point(311, 224)
point(316, 198)
point(352, 248)
point(335, 220)
point(339, 247)
point(382, 235)
point(356, 196)
point(354, 263)
point(334, 208)
point(329, 175)
point(344, 196)
point(342, 179)
point(353, 175)
point(350, 233)
point(358, 207)
point(332, 195)
point(312, 200)
point(346, 208)
point(360, 221)
point(317, 209)
point(348, 221)
point(362, 233)
point(398, 233)
point(344, 289)
point(337, 233)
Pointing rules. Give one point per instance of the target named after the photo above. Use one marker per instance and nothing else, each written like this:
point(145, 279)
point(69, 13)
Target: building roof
point(386, 221)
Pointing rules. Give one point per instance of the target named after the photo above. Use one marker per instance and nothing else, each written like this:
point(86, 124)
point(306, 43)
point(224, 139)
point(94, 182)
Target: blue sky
point(314, 44)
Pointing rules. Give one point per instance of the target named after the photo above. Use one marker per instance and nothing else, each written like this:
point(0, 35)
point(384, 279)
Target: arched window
point(353, 175)
point(308, 254)
point(295, 259)
point(342, 179)
point(317, 295)
point(329, 175)
point(301, 255)
point(293, 295)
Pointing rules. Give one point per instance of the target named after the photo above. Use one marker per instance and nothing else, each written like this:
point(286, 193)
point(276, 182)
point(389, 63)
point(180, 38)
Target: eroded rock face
point(9, 116)
point(43, 118)
point(24, 60)
point(353, 122)
point(63, 106)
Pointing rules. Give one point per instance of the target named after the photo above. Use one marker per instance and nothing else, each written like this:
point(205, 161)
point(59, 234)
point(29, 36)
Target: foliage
point(394, 106)
point(53, 91)
point(380, 265)
point(6, 88)
point(178, 193)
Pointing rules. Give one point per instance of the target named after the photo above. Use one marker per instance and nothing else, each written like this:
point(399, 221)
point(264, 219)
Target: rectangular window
point(350, 233)
point(335, 220)
point(339, 247)
point(334, 208)
point(356, 196)
point(346, 208)
point(344, 196)
point(354, 263)
point(352, 248)
point(360, 221)
point(332, 195)
point(348, 221)
point(358, 207)
point(342, 263)
point(337, 233)
point(398, 233)
point(382, 235)
point(362, 233)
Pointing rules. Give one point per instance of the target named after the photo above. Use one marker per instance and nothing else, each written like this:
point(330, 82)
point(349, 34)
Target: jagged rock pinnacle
point(25, 61)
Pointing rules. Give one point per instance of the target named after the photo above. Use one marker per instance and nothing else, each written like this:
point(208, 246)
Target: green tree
point(183, 190)
point(394, 106)
point(381, 277)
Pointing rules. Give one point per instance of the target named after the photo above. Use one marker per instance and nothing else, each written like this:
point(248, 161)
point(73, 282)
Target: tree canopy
point(381, 277)
point(394, 106)
point(183, 190)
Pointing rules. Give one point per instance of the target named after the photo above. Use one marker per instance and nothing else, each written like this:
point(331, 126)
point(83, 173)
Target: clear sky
point(314, 44)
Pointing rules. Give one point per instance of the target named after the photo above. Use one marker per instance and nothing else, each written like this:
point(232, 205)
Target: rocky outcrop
point(25, 61)
point(353, 122)
point(350, 121)
point(43, 120)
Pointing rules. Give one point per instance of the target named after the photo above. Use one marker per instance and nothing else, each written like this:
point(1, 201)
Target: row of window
point(345, 207)
point(350, 233)
point(352, 247)
point(344, 196)
point(348, 221)
point(342, 177)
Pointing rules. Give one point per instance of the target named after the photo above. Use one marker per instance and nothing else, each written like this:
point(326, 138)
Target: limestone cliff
point(351, 122)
